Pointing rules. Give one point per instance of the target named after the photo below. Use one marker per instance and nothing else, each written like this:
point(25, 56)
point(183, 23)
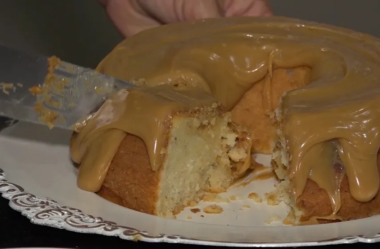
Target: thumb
point(128, 16)
point(171, 11)
point(246, 8)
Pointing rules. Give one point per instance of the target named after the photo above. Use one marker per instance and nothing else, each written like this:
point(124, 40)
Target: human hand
point(133, 16)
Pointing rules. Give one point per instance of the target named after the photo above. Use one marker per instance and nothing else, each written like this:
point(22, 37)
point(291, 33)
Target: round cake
point(306, 93)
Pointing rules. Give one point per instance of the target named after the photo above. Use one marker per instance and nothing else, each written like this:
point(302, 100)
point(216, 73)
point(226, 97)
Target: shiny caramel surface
point(334, 119)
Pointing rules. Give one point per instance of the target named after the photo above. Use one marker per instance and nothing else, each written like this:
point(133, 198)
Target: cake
point(157, 149)
point(307, 93)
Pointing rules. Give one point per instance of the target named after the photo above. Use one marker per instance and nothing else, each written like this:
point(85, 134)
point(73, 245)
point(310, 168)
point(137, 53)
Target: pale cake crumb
point(244, 207)
point(237, 154)
point(6, 87)
point(272, 199)
point(210, 197)
point(272, 219)
point(189, 217)
point(236, 197)
point(137, 237)
point(290, 219)
point(254, 196)
point(215, 198)
point(193, 204)
point(213, 209)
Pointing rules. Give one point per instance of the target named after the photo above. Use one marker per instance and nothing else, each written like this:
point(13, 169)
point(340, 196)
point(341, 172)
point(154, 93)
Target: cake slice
point(160, 164)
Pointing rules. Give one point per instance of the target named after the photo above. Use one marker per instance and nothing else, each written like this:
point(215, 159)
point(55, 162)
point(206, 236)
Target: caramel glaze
point(335, 117)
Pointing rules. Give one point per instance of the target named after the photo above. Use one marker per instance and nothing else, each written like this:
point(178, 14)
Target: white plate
point(41, 183)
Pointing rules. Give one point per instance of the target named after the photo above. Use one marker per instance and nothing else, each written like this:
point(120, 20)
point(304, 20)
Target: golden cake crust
point(130, 181)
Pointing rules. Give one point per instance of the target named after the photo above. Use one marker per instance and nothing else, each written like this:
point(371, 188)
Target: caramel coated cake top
point(335, 117)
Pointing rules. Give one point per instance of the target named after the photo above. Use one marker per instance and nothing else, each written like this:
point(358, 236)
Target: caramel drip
point(267, 95)
point(318, 220)
point(144, 112)
point(225, 57)
point(267, 91)
point(317, 164)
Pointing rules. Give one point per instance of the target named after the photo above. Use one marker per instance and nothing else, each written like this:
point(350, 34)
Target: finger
point(128, 17)
point(170, 11)
point(246, 8)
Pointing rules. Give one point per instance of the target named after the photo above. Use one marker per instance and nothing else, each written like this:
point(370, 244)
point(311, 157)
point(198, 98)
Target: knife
point(45, 90)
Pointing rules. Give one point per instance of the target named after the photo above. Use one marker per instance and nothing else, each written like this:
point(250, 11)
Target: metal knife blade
point(83, 90)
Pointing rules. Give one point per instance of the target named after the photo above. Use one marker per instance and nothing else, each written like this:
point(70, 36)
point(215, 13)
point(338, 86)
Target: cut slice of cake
point(188, 146)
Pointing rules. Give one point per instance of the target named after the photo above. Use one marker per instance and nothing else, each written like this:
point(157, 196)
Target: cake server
point(40, 90)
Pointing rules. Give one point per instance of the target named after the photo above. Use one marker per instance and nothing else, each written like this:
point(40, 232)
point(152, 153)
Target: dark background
point(79, 31)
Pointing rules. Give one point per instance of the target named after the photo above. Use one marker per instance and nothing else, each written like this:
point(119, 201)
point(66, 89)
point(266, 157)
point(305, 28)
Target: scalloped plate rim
point(13, 191)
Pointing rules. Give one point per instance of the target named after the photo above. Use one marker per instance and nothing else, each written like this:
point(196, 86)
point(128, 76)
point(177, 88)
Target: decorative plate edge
point(47, 212)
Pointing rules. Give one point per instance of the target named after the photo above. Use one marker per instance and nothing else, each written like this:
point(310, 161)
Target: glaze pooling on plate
point(47, 212)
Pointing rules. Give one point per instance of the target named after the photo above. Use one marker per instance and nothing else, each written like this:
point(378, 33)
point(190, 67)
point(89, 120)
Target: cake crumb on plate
point(254, 196)
point(215, 198)
point(213, 209)
point(272, 219)
point(272, 199)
